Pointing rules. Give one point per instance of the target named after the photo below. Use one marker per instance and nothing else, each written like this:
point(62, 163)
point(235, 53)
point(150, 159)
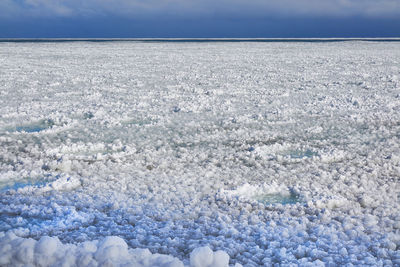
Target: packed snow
point(200, 154)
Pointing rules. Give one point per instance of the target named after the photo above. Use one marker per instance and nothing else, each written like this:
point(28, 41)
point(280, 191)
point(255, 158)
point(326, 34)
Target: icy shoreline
point(276, 153)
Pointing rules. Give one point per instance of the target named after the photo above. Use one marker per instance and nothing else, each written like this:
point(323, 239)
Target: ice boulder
point(111, 248)
point(205, 257)
point(46, 250)
point(220, 259)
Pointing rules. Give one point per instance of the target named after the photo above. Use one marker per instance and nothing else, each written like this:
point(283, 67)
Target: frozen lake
point(275, 153)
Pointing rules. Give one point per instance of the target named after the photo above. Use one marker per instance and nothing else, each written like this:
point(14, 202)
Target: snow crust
point(200, 154)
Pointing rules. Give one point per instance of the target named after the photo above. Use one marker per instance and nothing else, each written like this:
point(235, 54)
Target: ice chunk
point(201, 257)
point(111, 248)
point(205, 257)
point(47, 245)
point(45, 250)
point(221, 259)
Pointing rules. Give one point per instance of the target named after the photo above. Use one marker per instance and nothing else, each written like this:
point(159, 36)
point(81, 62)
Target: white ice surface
point(274, 153)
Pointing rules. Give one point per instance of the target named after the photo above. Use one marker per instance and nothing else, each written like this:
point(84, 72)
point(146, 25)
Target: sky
point(199, 18)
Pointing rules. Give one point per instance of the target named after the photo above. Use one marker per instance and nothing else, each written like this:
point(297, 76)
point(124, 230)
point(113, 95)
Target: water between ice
point(277, 198)
point(35, 127)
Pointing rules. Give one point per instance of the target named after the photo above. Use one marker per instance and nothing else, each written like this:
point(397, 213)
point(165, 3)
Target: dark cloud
point(199, 18)
point(201, 8)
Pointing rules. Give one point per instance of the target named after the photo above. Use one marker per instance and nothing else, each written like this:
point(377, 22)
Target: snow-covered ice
point(200, 154)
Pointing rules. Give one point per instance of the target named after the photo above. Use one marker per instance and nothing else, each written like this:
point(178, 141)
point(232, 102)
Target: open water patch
point(278, 198)
point(300, 154)
point(35, 127)
point(25, 182)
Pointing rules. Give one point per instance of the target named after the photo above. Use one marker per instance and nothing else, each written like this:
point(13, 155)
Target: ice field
point(200, 153)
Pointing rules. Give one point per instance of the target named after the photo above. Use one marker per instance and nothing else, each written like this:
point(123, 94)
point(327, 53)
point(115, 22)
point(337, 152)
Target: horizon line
point(161, 39)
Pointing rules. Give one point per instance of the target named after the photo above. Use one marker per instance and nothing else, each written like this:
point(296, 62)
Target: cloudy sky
point(199, 18)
